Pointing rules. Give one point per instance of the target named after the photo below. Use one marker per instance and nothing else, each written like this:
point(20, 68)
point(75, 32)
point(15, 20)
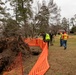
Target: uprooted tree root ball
point(9, 49)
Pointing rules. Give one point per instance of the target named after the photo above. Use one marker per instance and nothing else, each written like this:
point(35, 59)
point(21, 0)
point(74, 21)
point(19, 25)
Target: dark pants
point(65, 44)
point(47, 41)
point(61, 42)
point(51, 41)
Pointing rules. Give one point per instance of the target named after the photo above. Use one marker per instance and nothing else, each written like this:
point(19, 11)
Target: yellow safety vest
point(47, 37)
point(61, 36)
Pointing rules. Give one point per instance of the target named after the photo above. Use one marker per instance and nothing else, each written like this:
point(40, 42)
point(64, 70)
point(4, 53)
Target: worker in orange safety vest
point(65, 38)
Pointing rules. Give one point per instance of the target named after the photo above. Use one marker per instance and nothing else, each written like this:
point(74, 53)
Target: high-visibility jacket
point(65, 36)
point(61, 36)
point(47, 37)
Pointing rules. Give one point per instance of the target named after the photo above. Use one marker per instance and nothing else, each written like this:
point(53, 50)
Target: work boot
point(64, 48)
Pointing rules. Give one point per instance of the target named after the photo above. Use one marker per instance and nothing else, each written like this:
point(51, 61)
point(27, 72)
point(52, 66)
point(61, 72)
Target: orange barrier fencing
point(32, 42)
point(16, 67)
point(41, 65)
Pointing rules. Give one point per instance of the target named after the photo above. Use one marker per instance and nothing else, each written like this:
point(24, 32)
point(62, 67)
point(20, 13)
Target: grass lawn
point(62, 62)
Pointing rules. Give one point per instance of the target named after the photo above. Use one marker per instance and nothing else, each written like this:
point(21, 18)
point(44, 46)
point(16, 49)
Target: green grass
point(62, 62)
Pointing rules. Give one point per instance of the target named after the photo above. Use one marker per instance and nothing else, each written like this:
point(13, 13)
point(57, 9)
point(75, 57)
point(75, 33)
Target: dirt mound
point(9, 49)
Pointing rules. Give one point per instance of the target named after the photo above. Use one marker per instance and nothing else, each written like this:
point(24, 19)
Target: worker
point(65, 38)
point(47, 39)
point(61, 39)
point(43, 34)
point(51, 38)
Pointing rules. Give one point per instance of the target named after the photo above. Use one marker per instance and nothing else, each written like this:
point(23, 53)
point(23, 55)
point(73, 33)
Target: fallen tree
point(9, 49)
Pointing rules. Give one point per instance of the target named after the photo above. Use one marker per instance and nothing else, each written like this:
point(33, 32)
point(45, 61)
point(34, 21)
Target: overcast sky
point(68, 7)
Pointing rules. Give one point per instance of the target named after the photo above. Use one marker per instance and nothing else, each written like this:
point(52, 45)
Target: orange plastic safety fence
point(16, 67)
point(32, 42)
point(41, 65)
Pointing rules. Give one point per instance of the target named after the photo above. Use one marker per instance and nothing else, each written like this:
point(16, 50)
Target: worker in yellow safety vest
point(61, 39)
point(47, 39)
point(65, 38)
